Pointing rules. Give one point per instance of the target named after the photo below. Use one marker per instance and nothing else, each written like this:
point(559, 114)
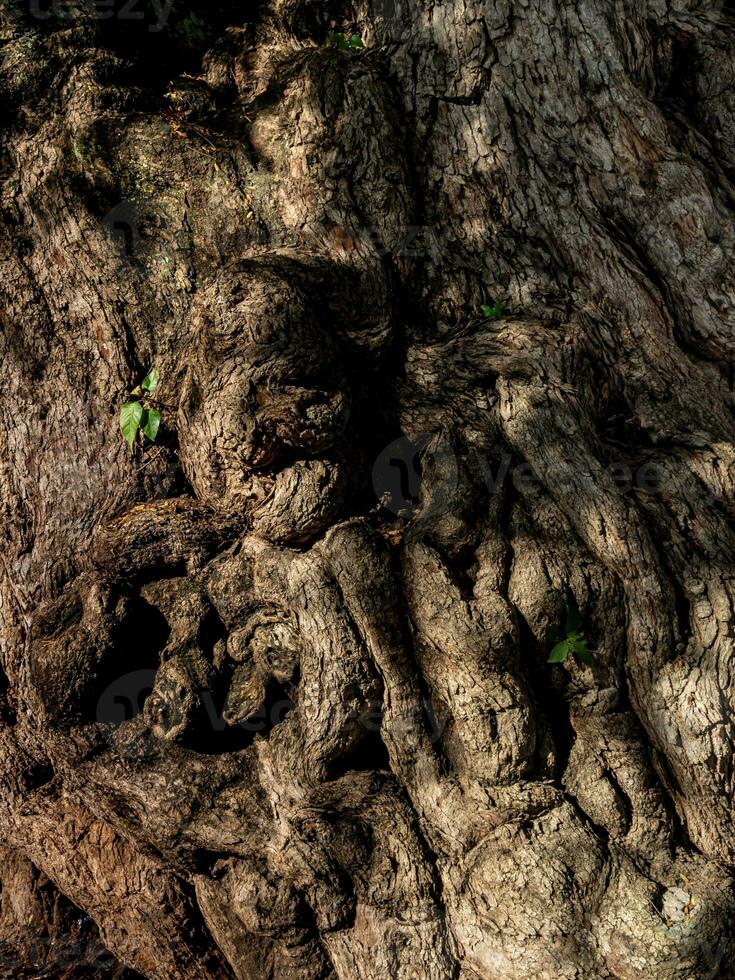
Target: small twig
point(159, 450)
point(156, 401)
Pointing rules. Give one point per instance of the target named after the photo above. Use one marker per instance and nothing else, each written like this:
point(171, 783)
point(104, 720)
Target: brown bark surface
point(274, 699)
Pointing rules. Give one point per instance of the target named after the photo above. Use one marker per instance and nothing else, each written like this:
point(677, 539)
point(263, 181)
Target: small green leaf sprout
point(150, 381)
point(140, 416)
point(344, 43)
point(492, 312)
point(569, 639)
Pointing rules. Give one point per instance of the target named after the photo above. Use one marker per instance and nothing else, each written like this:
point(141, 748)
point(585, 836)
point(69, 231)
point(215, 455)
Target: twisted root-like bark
point(257, 721)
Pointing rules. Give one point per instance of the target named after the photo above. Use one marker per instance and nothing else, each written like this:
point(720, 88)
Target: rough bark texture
point(266, 710)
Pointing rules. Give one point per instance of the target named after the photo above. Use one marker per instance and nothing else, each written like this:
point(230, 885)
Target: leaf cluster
point(344, 43)
point(139, 416)
point(569, 639)
point(492, 312)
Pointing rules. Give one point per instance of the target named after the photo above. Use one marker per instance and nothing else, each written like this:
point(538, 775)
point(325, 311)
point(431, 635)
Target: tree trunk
point(275, 698)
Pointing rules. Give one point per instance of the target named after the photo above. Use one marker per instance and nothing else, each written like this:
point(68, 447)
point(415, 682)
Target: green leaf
point(151, 424)
point(559, 652)
point(493, 312)
point(580, 649)
point(343, 43)
point(150, 381)
point(574, 620)
point(130, 417)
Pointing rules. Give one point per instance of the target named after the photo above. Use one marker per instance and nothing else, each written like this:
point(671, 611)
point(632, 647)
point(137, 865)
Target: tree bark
point(275, 699)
